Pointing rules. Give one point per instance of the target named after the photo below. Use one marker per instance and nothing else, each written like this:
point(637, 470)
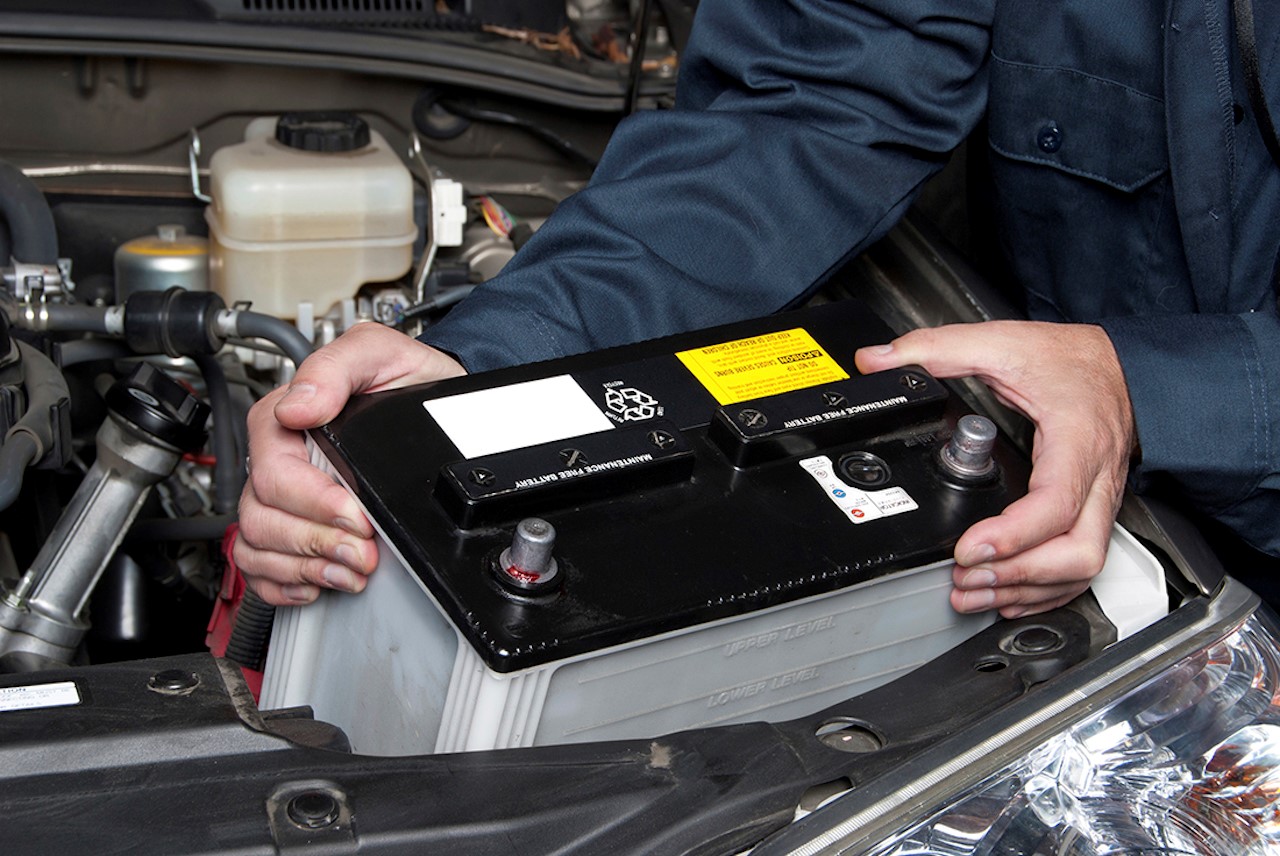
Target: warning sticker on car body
point(763, 365)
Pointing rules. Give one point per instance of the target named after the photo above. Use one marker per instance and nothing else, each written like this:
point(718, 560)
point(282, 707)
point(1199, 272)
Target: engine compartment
point(119, 145)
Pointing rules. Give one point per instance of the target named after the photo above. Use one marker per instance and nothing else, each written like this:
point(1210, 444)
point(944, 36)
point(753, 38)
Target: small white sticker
point(503, 418)
point(858, 505)
point(39, 695)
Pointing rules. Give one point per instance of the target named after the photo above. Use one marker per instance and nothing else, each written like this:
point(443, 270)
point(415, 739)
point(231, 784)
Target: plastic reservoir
point(308, 208)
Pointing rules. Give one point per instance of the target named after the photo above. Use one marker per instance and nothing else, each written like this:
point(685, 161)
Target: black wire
point(228, 472)
point(637, 58)
point(441, 301)
point(460, 109)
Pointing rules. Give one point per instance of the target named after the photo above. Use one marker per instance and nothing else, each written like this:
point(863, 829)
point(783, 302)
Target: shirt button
point(1049, 137)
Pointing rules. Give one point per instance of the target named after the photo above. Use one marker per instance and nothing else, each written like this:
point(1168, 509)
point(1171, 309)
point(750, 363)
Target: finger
point(1044, 577)
point(1065, 494)
point(1055, 497)
point(1013, 601)
point(303, 492)
point(273, 530)
point(288, 480)
point(285, 569)
point(367, 357)
point(954, 350)
point(282, 595)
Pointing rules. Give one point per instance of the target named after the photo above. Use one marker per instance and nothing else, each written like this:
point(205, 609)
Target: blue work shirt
point(1126, 192)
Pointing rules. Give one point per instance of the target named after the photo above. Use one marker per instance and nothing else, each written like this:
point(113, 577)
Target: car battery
point(715, 527)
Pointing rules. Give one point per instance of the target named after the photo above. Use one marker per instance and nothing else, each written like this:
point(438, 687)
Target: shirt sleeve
point(802, 131)
point(1206, 401)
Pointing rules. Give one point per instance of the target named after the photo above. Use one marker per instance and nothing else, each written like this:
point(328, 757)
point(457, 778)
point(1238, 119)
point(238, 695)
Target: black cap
point(159, 405)
point(320, 131)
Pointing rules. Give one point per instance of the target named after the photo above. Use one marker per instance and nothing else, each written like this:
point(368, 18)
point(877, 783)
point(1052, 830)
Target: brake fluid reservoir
point(308, 208)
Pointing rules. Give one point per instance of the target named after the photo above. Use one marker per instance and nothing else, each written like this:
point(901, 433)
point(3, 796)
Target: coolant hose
point(25, 210)
point(32, 435)
point(255, 325)
point(227, 469)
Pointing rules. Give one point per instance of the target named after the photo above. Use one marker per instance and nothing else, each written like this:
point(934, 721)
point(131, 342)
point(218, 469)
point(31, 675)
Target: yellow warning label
point(761, 365)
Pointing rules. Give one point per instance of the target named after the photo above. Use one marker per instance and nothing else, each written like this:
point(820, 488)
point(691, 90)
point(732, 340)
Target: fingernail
point(349, 525)
point(978, 600)
point(340, 578)
point(978, 554)
point(881, 350)
point(1013, 612)
point(349, 556)
point(299, 594)
point(299, 393)
point(979, 578)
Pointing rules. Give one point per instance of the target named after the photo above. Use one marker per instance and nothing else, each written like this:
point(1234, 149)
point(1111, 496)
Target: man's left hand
point(1044, 549)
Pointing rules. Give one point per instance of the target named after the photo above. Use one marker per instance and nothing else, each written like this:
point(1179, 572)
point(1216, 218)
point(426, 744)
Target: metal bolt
point(313, 810)
point(481, 476)
point(173, 682)
point(661, 439)
point(913, 381)
point(968, 454)
point(752, 418)
point(528, 564)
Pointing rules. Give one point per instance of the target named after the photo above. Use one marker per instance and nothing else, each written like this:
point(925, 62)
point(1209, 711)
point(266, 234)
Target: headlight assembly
point(1172, 748)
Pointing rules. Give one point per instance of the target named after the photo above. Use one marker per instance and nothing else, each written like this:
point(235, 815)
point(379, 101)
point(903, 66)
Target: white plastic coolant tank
point(308, 208)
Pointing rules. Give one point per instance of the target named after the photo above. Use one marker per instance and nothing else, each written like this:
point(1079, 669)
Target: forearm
point(800, 138)
point(1206, 399)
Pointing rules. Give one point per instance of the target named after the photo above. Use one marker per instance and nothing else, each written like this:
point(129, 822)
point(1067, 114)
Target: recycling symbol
point(631, 404)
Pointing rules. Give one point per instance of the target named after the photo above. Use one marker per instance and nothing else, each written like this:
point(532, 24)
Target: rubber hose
point(32, 435)
point(226, 468)
point(24, 208)
point(78, 351)
point(181, 528)
point(248, 643)
point(18, 453)
point(280, 333)
point(65, 318)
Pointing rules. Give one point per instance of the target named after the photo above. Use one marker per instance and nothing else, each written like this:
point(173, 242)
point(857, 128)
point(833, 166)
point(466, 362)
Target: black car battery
point(714, 527)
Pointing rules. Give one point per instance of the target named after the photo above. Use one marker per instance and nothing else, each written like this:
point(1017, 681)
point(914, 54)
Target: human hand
point(299, 530)
point(1045, 548)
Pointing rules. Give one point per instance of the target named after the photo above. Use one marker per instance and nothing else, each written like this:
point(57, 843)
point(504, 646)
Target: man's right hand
point(299, 530)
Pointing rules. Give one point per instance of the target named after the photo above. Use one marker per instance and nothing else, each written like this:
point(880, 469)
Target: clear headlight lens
point(1187, 763)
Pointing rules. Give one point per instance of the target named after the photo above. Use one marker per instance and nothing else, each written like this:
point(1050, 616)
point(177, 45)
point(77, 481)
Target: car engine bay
point(195, 198)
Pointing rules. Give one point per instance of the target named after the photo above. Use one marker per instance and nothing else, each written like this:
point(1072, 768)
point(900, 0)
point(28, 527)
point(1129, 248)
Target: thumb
point(878, 358)
point(301, 407)
point(354, 362)
point(366, 358)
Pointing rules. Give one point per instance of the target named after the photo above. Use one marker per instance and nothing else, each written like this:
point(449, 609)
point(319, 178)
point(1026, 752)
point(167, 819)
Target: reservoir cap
point(322, 131)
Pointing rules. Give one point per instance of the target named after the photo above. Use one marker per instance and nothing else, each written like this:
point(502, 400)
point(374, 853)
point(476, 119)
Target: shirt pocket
point(1077, 123)
point(1084, 204)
